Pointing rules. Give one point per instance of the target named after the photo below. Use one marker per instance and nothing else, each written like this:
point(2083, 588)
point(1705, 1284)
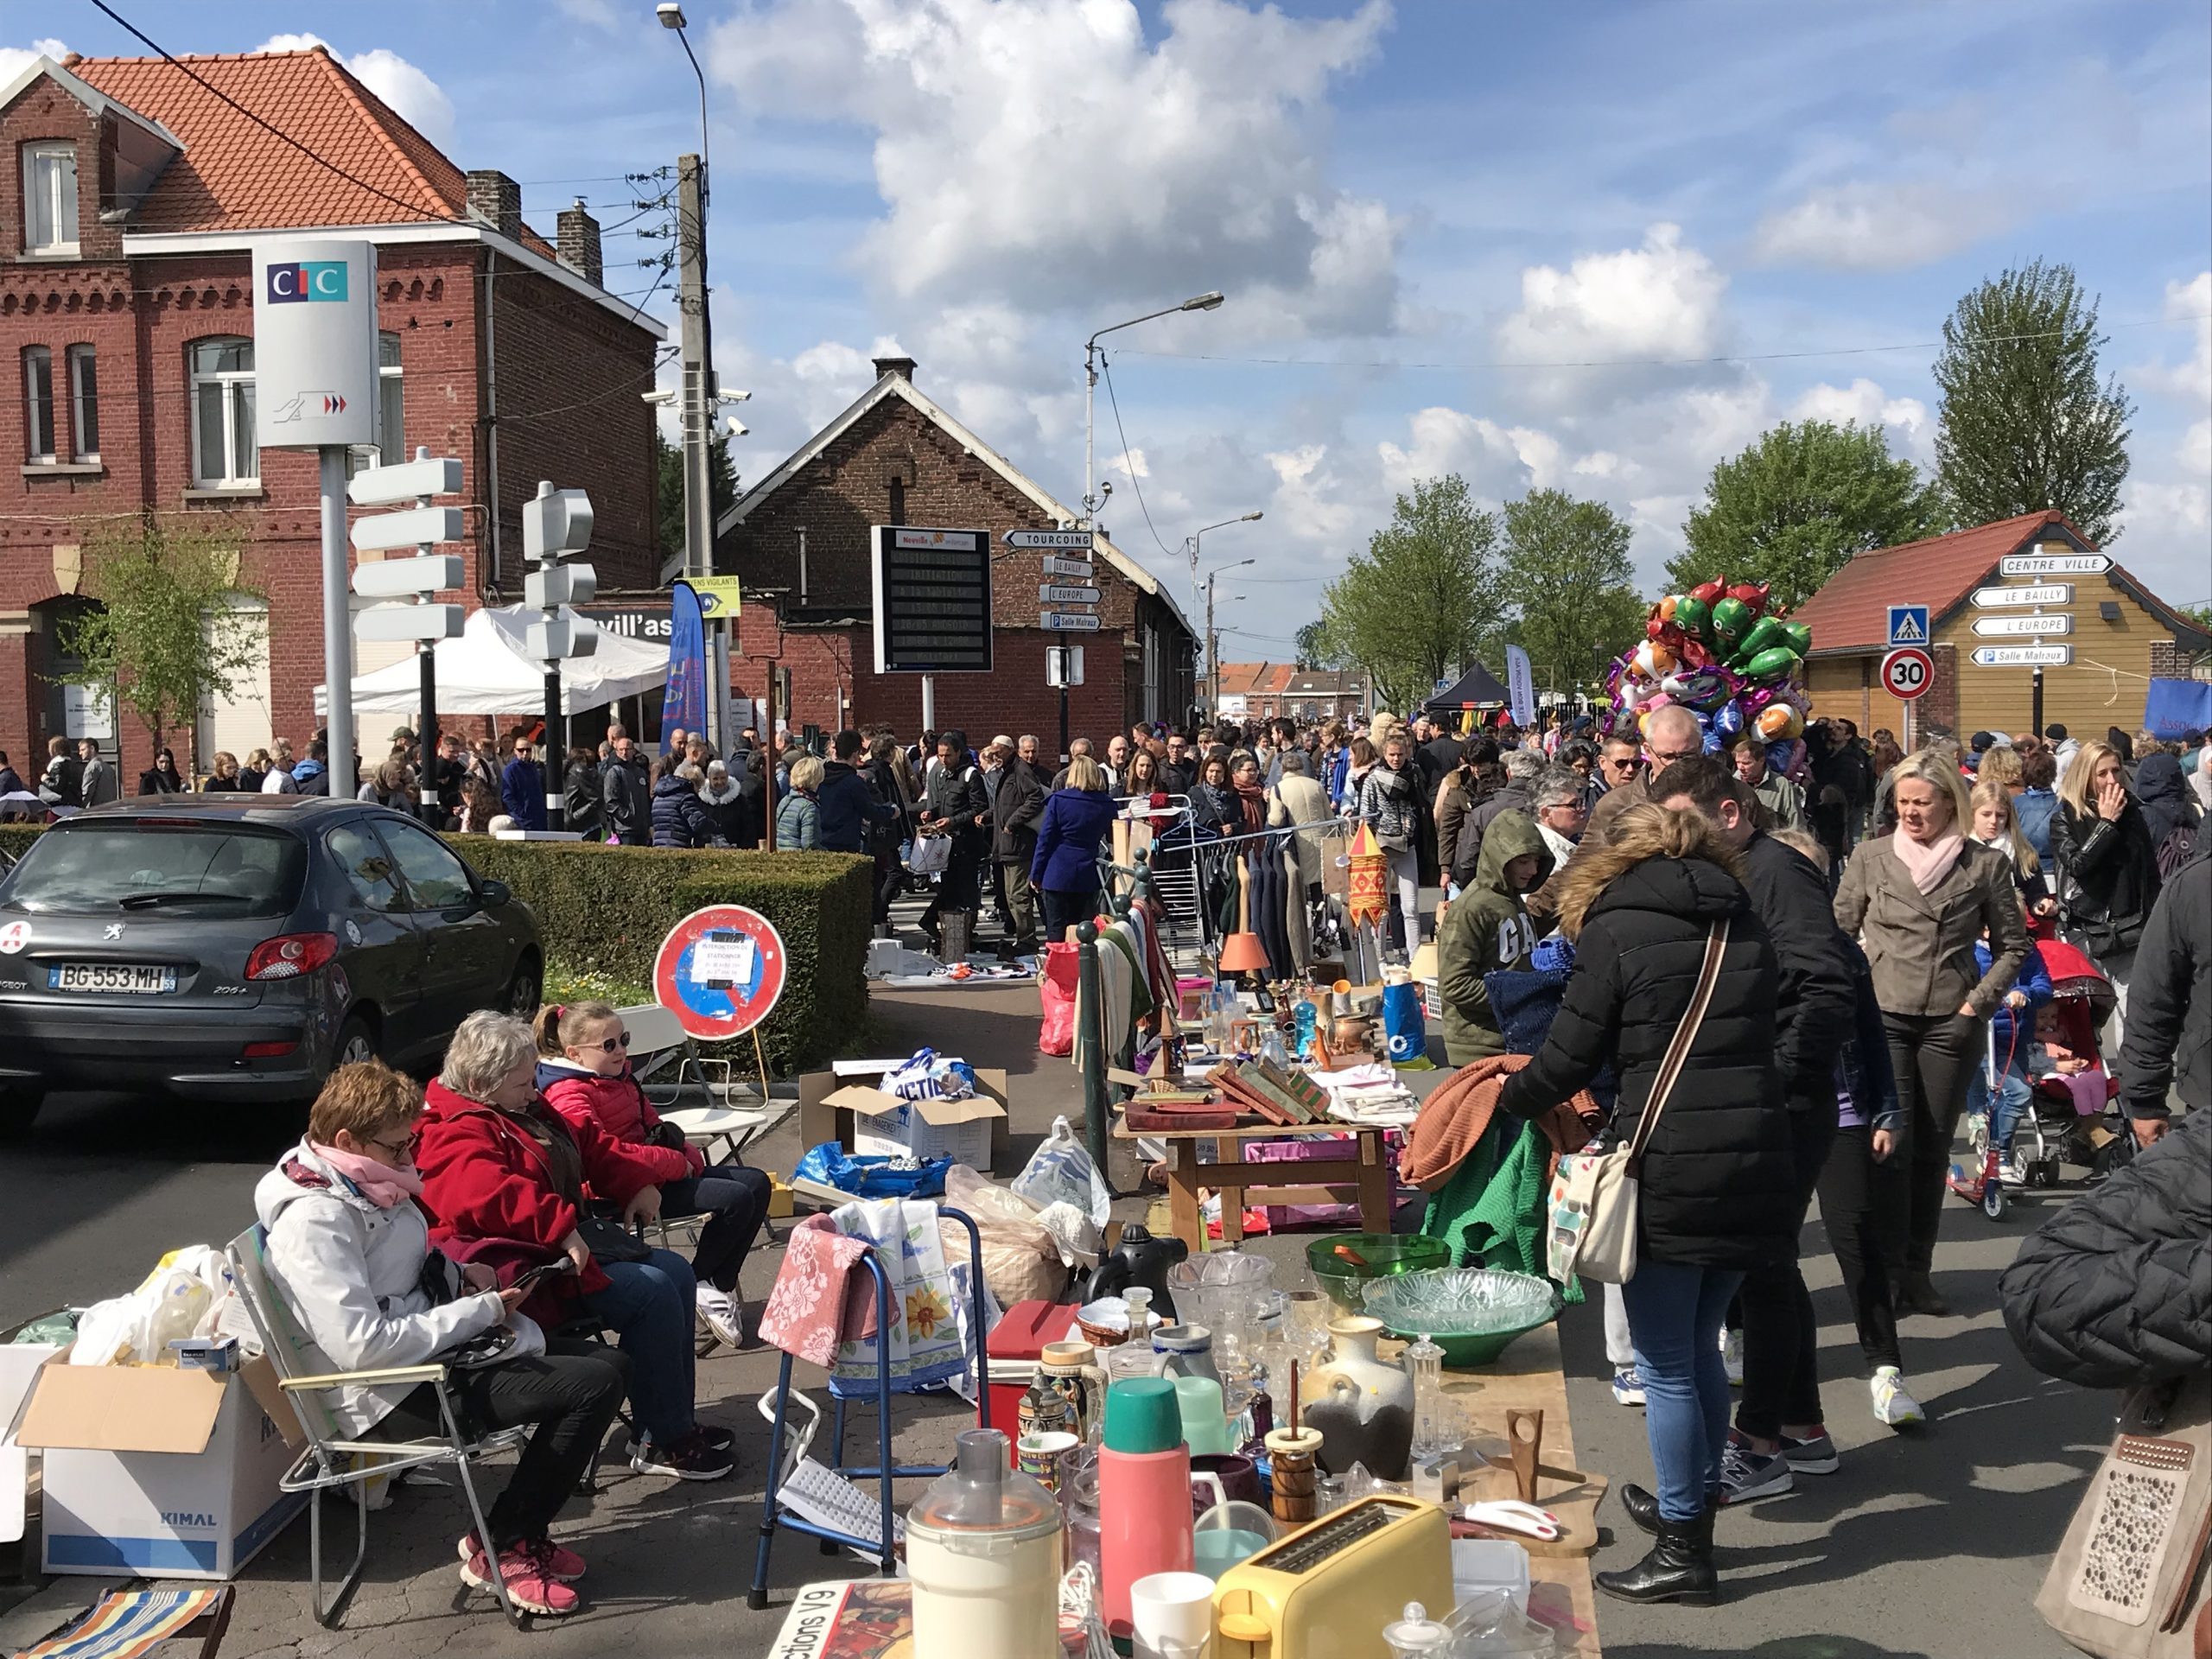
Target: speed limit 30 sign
point(1907, 673)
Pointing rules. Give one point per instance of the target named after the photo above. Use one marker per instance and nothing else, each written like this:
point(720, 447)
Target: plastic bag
point(930, 1075)
point(830, 1165)
point(1060, 1172)
point(930, 855)
point(1056, 988)
point(1021, 1259)
point(1403, 1026)
point(183, 1297)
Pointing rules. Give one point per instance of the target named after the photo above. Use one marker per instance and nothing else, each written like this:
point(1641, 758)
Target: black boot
point(1643, 1508)
point(1916, 1294)
point(1678, 1568)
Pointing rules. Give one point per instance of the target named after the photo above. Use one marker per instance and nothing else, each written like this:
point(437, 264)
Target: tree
point(668, 460)
point(1316, 649)
point(1566, 572)
point(1420, 600)
point(170, 634)
point(1794, 507)
point(2025, 425)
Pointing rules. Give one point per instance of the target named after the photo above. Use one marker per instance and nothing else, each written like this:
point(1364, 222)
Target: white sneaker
point(722, 1316)
point(1892, 1405)
point(1732, 1355)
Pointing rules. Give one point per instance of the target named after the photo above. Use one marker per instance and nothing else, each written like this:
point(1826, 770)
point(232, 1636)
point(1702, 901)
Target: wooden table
point(1365, 1169)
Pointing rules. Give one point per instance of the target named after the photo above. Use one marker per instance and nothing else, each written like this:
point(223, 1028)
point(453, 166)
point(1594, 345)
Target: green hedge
point(605, 910)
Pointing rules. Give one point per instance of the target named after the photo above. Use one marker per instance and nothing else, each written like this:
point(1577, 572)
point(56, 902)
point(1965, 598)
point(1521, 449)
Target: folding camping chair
point(884, 1545)
point(126, 1623)
point(720, 1127)
point(331, 1461)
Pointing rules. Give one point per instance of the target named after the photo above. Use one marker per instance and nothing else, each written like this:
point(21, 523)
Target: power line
point(1127, 460)
point(1654, 362)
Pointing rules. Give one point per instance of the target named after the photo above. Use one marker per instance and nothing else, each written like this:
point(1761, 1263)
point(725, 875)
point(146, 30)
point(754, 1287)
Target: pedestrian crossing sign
point(1908, 625)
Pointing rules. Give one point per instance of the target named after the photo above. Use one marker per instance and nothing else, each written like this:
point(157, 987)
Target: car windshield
point(195, 869)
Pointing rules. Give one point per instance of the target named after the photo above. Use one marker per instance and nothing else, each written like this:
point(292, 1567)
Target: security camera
point(663, 398)
point(737, 428)
point(732, 396)
point(1106, 486)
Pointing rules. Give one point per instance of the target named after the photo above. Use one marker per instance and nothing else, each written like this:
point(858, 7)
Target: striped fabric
point(128, 1624)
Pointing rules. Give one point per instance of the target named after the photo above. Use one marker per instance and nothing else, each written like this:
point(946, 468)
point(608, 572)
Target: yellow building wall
point(2104, 686)
point(1848, 688)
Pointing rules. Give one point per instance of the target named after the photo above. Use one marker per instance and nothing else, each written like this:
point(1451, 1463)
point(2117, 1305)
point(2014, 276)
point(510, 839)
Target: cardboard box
point(865, 1118)
point(163, 1473)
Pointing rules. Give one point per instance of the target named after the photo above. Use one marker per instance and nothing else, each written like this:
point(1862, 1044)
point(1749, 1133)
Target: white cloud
point(595, 13)
point(1889, 227)
point(2196, 452)
point(1910, 429)
point(1047, 154)
point(413, 96)
point(13, 60)
point(1657, 303)
point(2189, 303)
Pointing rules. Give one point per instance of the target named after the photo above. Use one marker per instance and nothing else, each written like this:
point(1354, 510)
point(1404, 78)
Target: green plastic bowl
point(1473, 1313)
point(1384, 1256)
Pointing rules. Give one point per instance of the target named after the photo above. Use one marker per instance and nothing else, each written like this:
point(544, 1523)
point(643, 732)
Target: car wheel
point(355, 1044)
point(19, 1108)
point(526, 989)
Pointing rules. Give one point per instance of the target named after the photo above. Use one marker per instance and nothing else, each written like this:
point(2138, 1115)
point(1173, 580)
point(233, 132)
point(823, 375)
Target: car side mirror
point(497, 893)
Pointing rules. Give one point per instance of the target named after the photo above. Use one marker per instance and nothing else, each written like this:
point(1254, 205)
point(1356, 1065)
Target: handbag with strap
point(2128, 1581)
point(1594, 1198)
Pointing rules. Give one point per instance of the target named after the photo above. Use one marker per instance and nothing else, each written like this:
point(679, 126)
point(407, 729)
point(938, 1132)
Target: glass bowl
point(1343, 1262)
point(1472, 1313)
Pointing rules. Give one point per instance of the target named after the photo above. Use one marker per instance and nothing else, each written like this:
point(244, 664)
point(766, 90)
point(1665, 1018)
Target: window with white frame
point(38, 397)
point(50, 198)
point(223, 453)
point(85, 402)
point(391, 405)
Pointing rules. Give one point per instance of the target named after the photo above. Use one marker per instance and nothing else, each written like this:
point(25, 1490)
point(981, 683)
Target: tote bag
point(2128, 1582)
point(1594, 1199)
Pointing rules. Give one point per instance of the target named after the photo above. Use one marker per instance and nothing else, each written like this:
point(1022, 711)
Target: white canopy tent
point(485, 672)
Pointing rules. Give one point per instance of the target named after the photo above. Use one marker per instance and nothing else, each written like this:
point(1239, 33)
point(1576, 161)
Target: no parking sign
point(720, 971)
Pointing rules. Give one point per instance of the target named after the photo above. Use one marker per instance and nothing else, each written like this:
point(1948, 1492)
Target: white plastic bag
point(185, 1295)
point(1021, 1258)
point(1060, 1172)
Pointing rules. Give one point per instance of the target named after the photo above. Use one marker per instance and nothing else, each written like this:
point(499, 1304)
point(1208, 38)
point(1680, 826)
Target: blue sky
point(1598, 246)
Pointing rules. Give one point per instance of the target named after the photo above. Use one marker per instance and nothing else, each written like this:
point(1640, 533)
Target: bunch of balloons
point(1728, 654)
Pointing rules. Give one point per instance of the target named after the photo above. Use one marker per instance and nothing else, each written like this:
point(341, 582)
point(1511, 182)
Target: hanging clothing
point(1294, 918)
point(1265, 862)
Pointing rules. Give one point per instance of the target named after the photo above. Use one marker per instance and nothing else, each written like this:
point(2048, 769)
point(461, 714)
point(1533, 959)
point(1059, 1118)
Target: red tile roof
point(235, 175)
point(1254, 679)
point(1851, 611)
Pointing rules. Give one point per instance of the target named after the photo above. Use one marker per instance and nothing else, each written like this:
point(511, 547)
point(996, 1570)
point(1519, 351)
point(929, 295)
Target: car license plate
point(127, 979)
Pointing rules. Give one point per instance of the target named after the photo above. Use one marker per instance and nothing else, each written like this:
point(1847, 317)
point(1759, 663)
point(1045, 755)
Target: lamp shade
point(1244, 953)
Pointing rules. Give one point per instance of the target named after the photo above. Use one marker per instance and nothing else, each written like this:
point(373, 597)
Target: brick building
point(134, 196)
point(1284, 691)
point(800, 540)
point(2119, 633)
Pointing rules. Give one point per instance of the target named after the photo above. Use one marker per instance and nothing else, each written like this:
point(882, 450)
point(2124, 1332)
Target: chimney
point(495, 199)
point(580, 244)
point(901, 366)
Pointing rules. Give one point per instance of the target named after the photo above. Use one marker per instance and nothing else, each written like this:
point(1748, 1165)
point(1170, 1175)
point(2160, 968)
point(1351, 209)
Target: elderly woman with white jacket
point(349, 1251)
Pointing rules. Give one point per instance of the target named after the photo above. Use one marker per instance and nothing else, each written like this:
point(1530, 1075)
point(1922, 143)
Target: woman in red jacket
point(584, 1071)
point(504, 1178)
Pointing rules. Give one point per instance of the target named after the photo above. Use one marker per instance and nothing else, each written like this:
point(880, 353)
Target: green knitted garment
point(1492, 1211)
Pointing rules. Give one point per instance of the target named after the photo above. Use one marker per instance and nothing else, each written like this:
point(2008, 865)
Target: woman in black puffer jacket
point(1717, 1187)
point(680, 815)
point(2107, 870)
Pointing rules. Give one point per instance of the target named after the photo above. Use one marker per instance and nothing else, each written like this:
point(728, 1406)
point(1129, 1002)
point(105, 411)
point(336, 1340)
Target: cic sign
point(315, 343)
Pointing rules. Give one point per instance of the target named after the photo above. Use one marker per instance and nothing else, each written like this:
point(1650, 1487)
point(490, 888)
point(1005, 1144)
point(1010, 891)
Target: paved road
point(1929, 1547)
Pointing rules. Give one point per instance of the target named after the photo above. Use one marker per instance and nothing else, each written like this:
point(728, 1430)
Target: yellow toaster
point(1325, 1590)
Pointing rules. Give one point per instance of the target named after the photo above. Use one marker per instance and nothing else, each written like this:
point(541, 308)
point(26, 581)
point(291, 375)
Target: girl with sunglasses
point(583, 1070)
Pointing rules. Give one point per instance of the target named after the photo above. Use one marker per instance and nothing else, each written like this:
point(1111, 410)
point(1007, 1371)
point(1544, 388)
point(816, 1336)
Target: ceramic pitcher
point(1361, 1404)
point(1071, 1369)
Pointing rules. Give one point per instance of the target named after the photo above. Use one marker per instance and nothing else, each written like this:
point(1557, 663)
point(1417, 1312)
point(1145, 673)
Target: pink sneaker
point(530, 1583)
point(563, 1564)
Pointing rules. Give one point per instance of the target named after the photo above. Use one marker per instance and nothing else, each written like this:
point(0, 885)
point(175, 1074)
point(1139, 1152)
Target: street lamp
point(672, 17)
point(1196, 536)
point(1213, 645)
point(1209, 300)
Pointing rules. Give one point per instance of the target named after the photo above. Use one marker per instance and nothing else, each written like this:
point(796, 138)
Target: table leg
point(1183, 1194)
point(1375, 1193)
point(1232, 1209)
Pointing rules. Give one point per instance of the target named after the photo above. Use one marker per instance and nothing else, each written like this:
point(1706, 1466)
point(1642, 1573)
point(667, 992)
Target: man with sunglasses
point(1671, 734)
point(522, 786)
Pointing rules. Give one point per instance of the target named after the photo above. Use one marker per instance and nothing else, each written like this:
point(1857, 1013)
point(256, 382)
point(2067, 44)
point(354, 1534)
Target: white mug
point(1171, 1615)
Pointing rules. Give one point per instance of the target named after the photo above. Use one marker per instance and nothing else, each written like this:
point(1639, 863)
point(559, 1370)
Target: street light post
point(1206, 302)
point(1197, 535)
point(1213, 645)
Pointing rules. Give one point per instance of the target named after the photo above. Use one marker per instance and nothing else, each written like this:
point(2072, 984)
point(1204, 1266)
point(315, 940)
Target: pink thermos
point(1144, 1491)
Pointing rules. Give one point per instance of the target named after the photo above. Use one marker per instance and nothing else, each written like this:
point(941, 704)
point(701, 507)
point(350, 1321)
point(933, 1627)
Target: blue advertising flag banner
point(685, 701)
point(1521, 687)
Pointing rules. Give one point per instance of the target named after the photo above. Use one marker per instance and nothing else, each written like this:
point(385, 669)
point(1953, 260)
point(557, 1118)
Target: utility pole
point(698, 405)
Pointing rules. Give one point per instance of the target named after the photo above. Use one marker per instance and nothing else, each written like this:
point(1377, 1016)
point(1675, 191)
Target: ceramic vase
point(1362, 1405)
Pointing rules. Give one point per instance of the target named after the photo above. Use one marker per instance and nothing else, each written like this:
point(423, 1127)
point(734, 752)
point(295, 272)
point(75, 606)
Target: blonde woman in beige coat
point(1918, 900)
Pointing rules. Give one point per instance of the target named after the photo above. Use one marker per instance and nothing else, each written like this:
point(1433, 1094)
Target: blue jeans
point(1674, 1314)
point(652, 1305)
point(2012, 1090)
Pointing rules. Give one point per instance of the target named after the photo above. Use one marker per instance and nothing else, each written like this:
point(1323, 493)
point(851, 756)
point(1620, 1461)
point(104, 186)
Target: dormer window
point(50, 198)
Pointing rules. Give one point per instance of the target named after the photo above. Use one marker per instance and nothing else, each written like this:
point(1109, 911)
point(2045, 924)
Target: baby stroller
point(2067, 1119)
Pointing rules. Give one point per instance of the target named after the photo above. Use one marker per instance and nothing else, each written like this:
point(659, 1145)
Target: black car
point(236, 947)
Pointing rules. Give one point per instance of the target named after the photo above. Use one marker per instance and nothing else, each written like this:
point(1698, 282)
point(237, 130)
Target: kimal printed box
point(163, 1473)
point(845, 1107)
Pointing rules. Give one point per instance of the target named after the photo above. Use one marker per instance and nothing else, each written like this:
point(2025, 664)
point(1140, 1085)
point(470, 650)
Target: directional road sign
point(1908, 672)
point(2049, 593)
point(1083, 569)
point(1067, 621)
point(2014, 627)
point(1908, 625)
point(411, 527)
point(1065, 539)
point(392, 623)
point(433, 573)
point(2023, 656)
point(385, 486)
point(1052, 594)
point(2055, 564)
